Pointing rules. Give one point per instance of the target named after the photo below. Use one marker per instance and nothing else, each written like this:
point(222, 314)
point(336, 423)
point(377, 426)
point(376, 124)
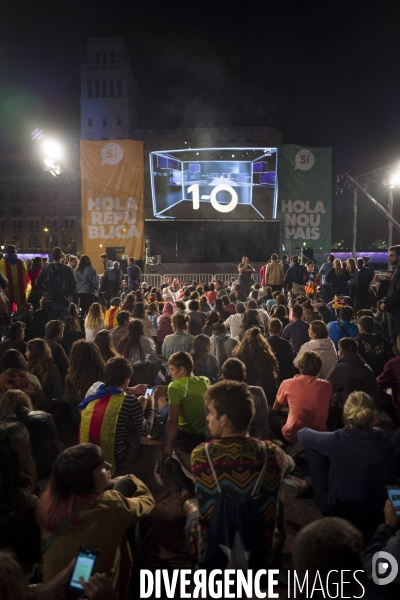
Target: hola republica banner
point(305, 197)
point(112, 197)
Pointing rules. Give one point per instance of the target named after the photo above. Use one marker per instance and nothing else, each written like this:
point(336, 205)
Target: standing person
point(365, 276)
point(352, 284)
point(366, 260)
point(111, 282)
point(246, 271)
point(326, 287)
point(134, 275)
point(285, 263)
point(296, 277)
point(33, 272)
point(108, 264)
point(14, 269)
point(274, 274)
point(58, 282)
point(392, 301)
point(311, 286)
point(338, 277)
point(88, 284)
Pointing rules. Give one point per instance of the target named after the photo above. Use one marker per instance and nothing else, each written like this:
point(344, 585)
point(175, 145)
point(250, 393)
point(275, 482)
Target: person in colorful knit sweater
point(238, 460)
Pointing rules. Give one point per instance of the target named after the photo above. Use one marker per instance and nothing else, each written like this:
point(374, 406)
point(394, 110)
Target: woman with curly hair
point(40, 364)
point(86, 366)
point(141, 353)
point(88, 283)
point(94, 321)
point(261, 364)
point(105, 344)
point(212, 318)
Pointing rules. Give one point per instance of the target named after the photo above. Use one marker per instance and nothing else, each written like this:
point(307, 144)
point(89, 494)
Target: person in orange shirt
point(308, 398)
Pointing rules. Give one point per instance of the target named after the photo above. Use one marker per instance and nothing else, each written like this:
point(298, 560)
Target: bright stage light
point(395, 179)
point(52, 149)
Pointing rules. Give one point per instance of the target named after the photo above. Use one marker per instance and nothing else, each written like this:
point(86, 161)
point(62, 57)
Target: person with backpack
point(232, 518)
point(134, 275)
point(343, 327)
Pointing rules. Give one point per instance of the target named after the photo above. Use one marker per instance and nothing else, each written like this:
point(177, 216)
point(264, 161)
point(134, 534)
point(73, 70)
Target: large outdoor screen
point(214, 183)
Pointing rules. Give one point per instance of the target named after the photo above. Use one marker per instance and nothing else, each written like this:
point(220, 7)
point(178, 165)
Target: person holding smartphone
point(386, 539)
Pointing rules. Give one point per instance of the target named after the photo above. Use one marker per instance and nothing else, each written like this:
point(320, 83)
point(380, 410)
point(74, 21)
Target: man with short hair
point(296, 277)
point(15, 341)
point(54, 331)
point(184, 412)
point(308, 398)
point(113, 417)
point(326, 287)
point(14, 272)
point(134, 275)
point(111, 282)
point(372, 347)
point(108, 264)
point(343, 327)
point(238, 461)
point(72, 262)
point(59, 284)
point(234, 369)
point(282, 349)
point(219, 288)
point(392, 301)
point(351, 373)
point(297, 331)
point(121, 330)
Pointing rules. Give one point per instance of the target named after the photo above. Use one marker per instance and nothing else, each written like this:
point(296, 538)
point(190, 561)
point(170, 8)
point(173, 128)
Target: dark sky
point(323, 73)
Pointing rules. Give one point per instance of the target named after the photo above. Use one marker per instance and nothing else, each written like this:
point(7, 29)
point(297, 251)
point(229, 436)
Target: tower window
point(104, 88)
point(97, 57)
point(119, 88)
point(97, 88)
point(90, 122)
point(119, 121)
point(90, 88)
point(104, 121)
point(111, 88)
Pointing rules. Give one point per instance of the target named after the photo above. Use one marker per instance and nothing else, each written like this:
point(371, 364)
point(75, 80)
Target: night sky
point(324, 74)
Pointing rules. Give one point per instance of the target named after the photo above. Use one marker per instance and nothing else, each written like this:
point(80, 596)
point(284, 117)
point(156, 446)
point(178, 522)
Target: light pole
point(394, 182)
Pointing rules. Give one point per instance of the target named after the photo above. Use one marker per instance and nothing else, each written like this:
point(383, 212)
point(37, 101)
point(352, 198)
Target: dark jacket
point(20, 533)
point(111, 282)
point(297, 334)
point(296, 274)
point(55, 388)
point(375, 350)
point(42, 436)
point(338, 283)
point(351, 374)
point(134, 277)
point(390, 378)
point(58, 282)
point(361, 463)
point(69, 339)
point(39, 320)
point(284, 355)
point(12, 345)
point(59, 357)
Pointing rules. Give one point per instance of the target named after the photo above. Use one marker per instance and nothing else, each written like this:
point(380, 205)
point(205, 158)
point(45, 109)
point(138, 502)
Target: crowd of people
point(288, 387)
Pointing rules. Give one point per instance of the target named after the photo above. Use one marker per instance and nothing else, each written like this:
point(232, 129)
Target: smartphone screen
point(149, 392)
point(83, 568)
point(394, 497)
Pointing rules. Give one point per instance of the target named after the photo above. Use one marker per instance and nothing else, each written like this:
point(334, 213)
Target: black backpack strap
point(343, 328)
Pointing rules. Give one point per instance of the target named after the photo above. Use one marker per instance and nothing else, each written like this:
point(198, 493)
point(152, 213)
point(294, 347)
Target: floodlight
point(395, 179)
point(52, 149)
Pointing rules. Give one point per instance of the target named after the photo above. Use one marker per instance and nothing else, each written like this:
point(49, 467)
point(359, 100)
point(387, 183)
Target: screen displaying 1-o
point(195, 184)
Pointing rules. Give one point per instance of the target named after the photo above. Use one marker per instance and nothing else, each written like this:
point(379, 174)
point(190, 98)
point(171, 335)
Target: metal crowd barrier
point(226, 276)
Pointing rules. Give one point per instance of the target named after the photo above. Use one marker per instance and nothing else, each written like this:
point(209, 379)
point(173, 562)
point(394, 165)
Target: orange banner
point(112, 198)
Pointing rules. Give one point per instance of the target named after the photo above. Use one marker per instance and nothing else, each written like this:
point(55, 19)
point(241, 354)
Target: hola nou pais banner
point(305, 197)
point(112, 197)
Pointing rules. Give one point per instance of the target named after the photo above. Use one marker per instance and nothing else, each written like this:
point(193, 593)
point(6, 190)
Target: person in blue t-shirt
point(343, 327)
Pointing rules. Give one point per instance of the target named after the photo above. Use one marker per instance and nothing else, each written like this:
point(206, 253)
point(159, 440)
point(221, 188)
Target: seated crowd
point(278, 387)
